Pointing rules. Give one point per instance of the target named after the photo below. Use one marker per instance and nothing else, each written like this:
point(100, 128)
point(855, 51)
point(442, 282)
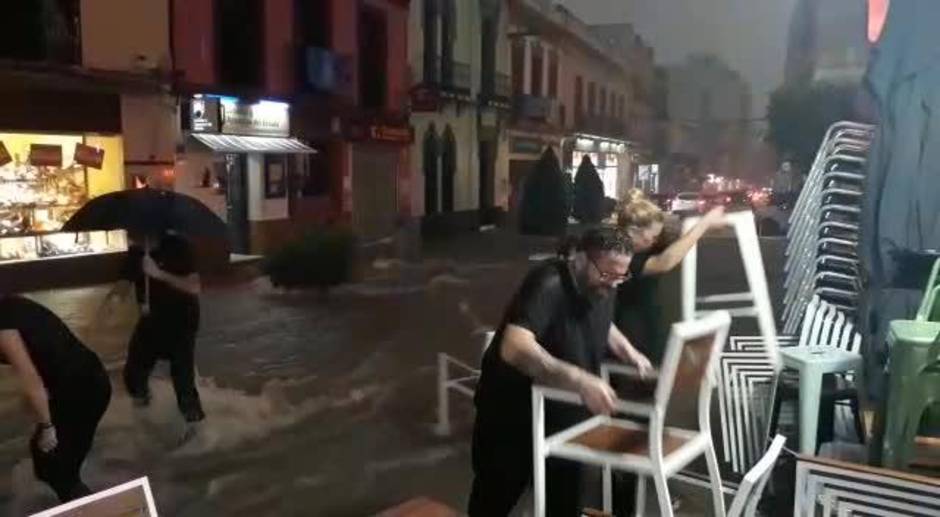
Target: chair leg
point(857, 418)
point(662, 492)
point(775, 414)
point(639, 509)
point(608, 490)
point(714, 475)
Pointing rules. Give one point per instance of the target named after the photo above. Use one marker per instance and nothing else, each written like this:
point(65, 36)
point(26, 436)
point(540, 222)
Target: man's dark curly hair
point(605, 239)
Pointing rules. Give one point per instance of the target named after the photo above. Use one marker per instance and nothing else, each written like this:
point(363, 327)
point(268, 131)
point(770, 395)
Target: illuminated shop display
point(44, 179)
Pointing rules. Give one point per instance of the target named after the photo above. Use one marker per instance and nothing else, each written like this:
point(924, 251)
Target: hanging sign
point(45, 155)
point(5, 157)
point(89, 156)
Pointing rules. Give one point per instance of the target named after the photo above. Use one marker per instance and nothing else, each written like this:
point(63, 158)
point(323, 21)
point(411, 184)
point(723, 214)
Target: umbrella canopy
point(901, 209)
point(148, 212)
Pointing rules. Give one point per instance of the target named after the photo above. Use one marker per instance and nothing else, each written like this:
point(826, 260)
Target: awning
point(252, 144)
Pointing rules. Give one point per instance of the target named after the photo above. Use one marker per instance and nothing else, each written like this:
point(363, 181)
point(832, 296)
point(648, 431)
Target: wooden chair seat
point(619, 440)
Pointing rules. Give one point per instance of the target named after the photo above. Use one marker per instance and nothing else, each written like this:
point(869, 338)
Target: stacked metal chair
point(822, 249)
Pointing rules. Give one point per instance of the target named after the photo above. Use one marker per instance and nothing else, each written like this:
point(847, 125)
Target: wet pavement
point(317, 406)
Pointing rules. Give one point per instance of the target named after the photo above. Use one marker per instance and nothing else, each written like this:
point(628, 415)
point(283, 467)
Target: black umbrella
point(148, 213)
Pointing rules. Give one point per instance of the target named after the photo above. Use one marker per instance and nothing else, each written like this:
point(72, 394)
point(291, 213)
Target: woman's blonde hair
point(636, 211)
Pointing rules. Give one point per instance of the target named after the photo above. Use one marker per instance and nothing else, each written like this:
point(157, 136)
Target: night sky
point(750, 35)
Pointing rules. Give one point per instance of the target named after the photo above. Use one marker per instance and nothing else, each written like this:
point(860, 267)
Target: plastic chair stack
point(822, 249)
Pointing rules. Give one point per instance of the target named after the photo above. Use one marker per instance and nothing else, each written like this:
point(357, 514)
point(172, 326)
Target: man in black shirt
point(556, 332)
point(168, 323)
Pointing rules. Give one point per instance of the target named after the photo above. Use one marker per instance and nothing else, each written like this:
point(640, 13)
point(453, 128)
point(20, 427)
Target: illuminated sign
point(229, 115)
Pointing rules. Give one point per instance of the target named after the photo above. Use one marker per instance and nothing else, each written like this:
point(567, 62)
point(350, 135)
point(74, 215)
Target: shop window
point(43, 182)
point(240, 41)
point(449, 170)
point(431, 171)
point(275, 176)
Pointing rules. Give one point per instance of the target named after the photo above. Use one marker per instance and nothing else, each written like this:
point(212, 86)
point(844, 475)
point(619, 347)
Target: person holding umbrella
point(162, 267)
point(168, 323)
point(65, 386)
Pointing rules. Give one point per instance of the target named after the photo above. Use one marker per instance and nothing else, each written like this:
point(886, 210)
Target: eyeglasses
point(607, 276)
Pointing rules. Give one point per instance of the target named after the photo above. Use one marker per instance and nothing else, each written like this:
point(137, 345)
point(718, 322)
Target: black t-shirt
point(639, 311)
point(56, 352)
point(175, 256)
point(567, 324)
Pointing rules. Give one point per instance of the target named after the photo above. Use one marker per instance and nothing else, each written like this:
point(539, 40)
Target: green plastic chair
point(914, 377)
point(928, 310)
point(914, 387)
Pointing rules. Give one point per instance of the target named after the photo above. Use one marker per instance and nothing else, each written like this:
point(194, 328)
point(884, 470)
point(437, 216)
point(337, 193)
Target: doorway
point(236, 201)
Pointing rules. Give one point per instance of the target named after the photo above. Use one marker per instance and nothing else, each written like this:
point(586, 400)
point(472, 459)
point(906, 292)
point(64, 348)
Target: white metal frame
point(845, 146)
point(141, 484)
point(836, 488)
point(462, 384)
point(657, 465)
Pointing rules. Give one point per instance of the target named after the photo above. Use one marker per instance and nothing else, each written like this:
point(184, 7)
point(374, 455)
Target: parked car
point(734, 200)
point(688, 203)
point(663, 201)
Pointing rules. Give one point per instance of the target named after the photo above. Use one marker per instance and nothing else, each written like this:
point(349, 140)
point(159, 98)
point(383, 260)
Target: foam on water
point(132, 442)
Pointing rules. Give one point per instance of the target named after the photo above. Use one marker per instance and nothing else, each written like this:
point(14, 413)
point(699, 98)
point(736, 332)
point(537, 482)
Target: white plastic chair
point(464, 383)
point(653, 450)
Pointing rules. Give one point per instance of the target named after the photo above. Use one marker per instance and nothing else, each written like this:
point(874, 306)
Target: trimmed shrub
point(322, 258)
point(545, 199)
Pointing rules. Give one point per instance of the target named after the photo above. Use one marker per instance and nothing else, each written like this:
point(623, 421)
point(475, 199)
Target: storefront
point(610, 157)
point(239, 160)
point(44, 179)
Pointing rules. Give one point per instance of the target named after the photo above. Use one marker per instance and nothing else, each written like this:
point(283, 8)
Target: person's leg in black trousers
point(183, 371)
point(142, 355)
point(502, 469)
point(76, 412)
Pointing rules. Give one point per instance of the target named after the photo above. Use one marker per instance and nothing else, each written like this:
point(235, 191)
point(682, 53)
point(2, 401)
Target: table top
point(828, 358)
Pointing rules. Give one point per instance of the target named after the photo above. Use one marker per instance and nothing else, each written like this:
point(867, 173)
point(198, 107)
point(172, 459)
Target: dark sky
point(750, 35)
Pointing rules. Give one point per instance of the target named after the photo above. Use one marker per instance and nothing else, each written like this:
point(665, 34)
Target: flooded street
point(316, 406)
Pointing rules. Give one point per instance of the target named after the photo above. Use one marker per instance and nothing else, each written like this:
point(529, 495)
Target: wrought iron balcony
point(455, 76)
point(535, 108)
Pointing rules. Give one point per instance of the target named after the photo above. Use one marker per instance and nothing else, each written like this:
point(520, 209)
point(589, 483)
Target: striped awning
point(252, 144)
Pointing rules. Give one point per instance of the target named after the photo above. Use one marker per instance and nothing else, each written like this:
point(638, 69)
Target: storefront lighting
point(584, 143)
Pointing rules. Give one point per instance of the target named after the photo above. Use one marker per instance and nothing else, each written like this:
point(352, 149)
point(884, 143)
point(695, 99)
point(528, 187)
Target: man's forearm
point(547, 370)
point(180, 283)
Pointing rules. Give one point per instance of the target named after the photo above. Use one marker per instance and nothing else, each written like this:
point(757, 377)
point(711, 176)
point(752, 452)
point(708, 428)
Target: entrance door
point(236, 167)
point(375, 190)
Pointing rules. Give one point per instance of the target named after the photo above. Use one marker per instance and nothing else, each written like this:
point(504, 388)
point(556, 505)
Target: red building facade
point(329, 74)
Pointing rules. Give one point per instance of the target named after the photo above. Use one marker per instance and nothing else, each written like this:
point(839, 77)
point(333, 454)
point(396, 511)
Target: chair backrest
point(930, 294)
point(689, 366)
point(752, 486)
point(826, 325)
point(929, 308)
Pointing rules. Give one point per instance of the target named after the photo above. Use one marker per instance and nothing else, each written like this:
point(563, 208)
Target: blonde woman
point(656, 252)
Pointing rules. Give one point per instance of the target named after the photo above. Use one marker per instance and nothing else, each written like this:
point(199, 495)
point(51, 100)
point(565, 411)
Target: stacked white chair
point(822, 248)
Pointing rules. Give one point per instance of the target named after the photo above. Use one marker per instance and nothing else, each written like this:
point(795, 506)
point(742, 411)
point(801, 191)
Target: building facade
point(85, 106)
point(573, 92)
point(709, 109)
point(828, 41)
point(458, 62)
point(293, 115)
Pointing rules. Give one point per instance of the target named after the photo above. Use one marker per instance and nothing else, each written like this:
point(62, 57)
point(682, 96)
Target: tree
point(545, 206)
point(588, 193)
point(798, 117)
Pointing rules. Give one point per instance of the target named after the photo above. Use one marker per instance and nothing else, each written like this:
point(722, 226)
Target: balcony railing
point(325, 71)
point(534, 108)
point(455, 76)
